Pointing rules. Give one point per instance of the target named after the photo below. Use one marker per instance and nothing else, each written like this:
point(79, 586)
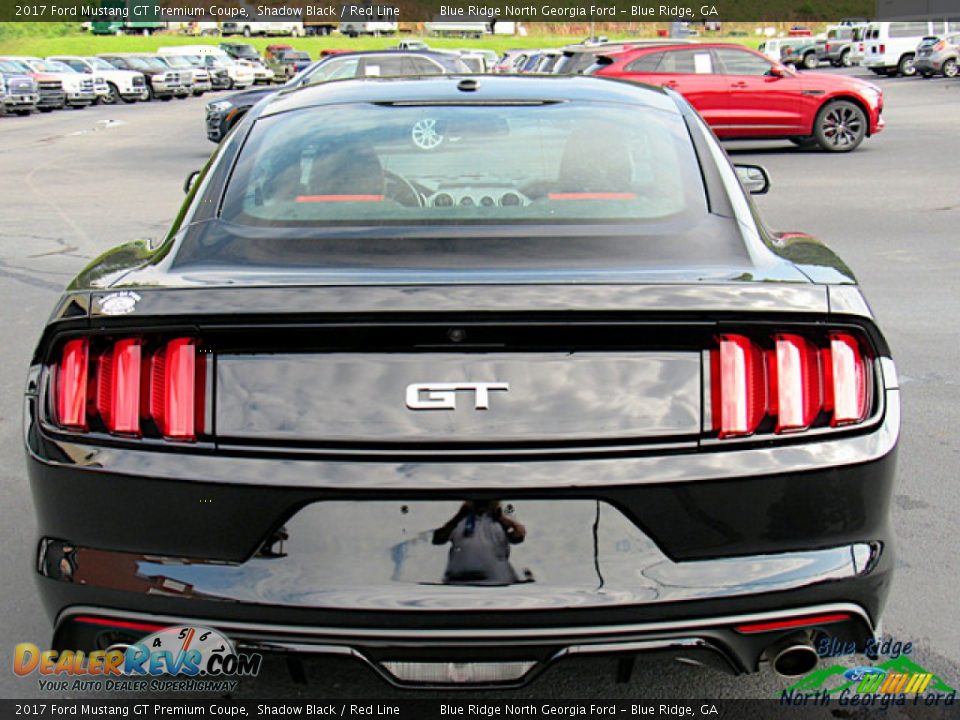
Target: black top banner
point(459, 708)
point(460, 11)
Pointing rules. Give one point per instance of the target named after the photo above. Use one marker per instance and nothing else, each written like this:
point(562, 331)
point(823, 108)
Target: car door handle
point(739, 85)
point(670, 84)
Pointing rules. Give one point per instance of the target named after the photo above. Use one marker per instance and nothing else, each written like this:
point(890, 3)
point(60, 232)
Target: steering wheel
point(401, 190)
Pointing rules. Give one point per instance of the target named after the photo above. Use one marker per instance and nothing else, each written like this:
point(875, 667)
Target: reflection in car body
point(647, 423)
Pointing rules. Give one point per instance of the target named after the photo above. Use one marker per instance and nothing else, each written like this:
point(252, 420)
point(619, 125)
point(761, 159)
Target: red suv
point(744, 95)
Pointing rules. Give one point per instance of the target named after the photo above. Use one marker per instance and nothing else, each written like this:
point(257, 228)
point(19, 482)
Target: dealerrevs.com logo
point(180, 658)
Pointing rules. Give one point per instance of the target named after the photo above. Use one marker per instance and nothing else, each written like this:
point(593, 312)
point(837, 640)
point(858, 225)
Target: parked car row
point(178, 71)
point(925, 48)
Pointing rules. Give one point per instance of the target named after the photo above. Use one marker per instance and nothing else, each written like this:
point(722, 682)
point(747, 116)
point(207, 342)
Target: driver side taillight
point(131, 387)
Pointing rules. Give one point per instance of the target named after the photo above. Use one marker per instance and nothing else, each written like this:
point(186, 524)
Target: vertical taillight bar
point(799, 385)
point(70, 385)
point(742, 387)
point(173, 391)
point(849, 380)
point(118, 387)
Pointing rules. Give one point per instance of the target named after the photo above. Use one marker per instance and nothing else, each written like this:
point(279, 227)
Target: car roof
point(402, 51)
point(680, 46)
point(442, 89)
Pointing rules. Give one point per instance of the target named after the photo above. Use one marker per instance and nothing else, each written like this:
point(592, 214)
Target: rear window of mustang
point(567, 162)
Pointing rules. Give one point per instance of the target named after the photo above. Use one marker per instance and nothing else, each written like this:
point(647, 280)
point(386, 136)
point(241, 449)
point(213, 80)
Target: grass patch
point(76, 43)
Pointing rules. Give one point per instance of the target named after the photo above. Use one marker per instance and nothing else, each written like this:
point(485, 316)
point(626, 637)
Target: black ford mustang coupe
point(459, 377)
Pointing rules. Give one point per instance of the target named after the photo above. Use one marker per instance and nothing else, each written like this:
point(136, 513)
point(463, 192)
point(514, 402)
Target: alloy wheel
point(842, 126)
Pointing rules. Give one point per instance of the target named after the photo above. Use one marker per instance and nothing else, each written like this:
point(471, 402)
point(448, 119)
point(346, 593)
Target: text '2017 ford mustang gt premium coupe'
point(460, 376)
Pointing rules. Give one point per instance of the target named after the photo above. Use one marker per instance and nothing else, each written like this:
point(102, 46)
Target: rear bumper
point(332, 556)
point(519, 653)
point(928, 64)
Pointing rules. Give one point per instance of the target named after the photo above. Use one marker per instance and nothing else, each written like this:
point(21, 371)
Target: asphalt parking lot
point(74, 183)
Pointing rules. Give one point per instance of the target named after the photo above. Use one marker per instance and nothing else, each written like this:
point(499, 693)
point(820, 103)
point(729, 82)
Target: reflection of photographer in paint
point(480, 535)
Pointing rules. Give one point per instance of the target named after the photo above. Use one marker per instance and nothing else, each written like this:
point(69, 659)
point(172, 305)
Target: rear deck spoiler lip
point(192, 303)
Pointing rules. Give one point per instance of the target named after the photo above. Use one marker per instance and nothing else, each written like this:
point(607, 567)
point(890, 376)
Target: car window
point(100, 64)
point(52, 66)
point(76, 65)
point(335, 70)
point(741, 62)
point(645, 63)
point(908, 29)
point(475, 64)
point(423, 66)
point(389, 165)
point(691, 62)
point(382, 66)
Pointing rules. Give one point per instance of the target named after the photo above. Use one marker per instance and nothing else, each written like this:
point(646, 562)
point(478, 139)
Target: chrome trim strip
point(493, 636)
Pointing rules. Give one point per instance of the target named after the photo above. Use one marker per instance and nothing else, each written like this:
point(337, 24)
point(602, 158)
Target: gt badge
point(443, 396)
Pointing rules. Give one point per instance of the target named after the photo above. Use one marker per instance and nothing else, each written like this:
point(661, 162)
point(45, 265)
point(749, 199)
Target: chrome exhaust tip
point(792, 657)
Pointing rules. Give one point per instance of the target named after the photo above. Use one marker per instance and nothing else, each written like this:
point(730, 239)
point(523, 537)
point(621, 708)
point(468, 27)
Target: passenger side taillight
point(788, 384)
point(139, 387)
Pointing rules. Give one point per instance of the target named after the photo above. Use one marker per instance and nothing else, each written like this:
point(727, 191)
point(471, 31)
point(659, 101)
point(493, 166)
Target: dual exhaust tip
point(793, 656)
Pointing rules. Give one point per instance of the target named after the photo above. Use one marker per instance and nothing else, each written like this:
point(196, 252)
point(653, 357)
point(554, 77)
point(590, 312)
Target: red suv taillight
point(789, 385)
point(138, 387)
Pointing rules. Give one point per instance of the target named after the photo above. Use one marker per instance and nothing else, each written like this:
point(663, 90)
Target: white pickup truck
point(248, 29)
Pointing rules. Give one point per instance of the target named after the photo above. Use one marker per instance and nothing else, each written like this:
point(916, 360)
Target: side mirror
point(190, 181)
point(777, 71)
point(754, 178)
